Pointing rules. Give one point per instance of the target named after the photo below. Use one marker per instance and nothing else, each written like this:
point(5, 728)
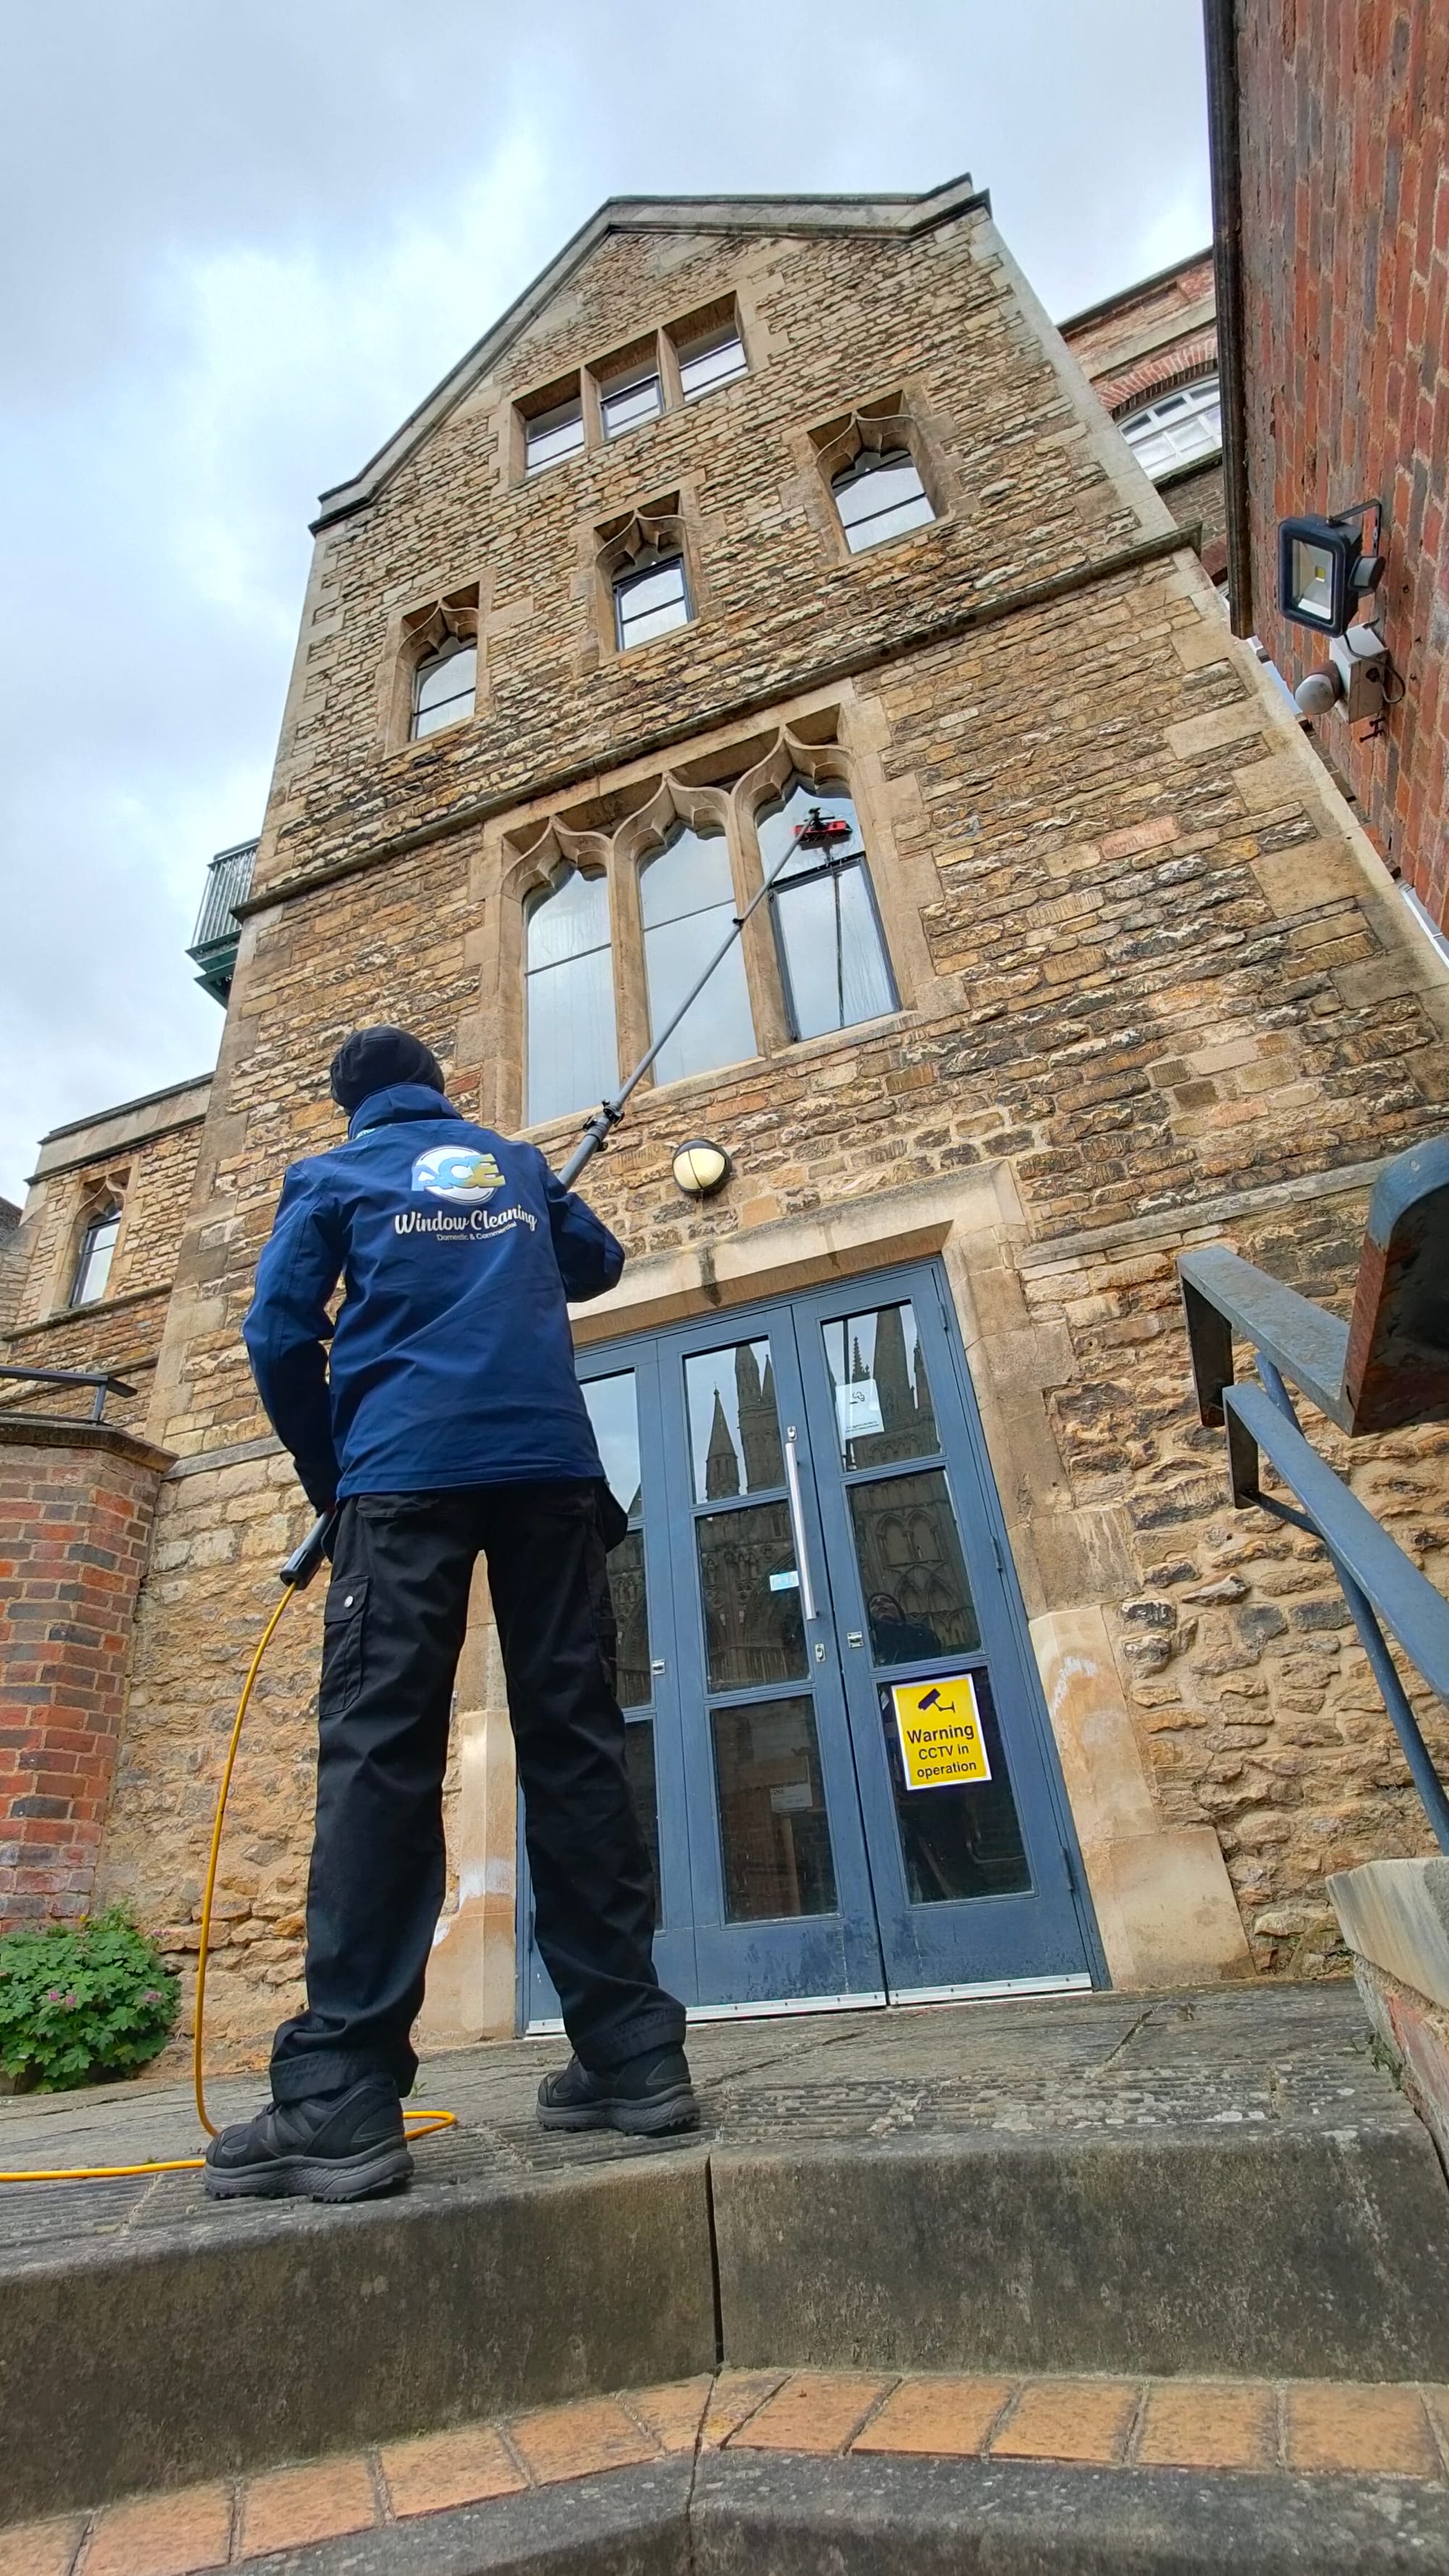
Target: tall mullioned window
point(573, 1056)
point(711, 358)
point(880, 496)
point(687, 899)
point(549, 436)
point(444, 688)
point(97, 1250)
point(828, 937)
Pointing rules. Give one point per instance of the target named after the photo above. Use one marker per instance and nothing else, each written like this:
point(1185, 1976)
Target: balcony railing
point(1386, 1368)
point(101, 1380)
point(214, 941)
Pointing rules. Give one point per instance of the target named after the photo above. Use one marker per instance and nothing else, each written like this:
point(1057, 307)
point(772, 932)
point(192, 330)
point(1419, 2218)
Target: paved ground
point(1393, 2442)
point(1271, 2057)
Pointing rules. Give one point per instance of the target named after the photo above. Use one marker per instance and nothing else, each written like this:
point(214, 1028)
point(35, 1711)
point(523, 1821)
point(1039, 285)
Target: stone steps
point(1221, 2185)
point(788, 2470)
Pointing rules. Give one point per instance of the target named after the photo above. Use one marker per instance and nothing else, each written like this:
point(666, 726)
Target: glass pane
point(573, 1055)
point(634, 1682)
point(751, 1589)
point(776, 826)
point(734, 1427)
point(715, 360)
point(835, 965)
point(651, 590)
point(688, 904)
point(773, 1826)
point(963, 1841)
point(613, 1407)
point(449, 677)
point(637, 398)
point(917, 1599)
point(554, 434)
point(639, 1758)
point(890, 523)
point(570, 919)
point(883, 1407)
point(634, 629)
point(94, 1267)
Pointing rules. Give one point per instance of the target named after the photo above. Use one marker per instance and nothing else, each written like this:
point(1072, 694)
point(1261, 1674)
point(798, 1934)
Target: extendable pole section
point(303, 1562)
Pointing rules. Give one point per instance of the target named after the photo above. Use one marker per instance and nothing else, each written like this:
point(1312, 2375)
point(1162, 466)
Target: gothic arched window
point(573, 1055)
point(832, 955)
point(445, 687)
point(880, 496)
point(687, 899)
point(97, 1249)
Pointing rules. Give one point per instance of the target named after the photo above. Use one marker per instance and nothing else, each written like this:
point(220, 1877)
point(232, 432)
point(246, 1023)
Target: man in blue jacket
point(448, 1421)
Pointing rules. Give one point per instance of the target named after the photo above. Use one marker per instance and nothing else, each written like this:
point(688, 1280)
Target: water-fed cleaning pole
point(818, 833)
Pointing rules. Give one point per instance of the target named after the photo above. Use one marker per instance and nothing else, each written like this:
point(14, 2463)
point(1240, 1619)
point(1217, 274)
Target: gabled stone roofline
point(903, 215)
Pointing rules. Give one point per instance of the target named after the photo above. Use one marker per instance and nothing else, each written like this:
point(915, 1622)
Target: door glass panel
point(912, 1572)
point(962, 1841)
point(613, 1409)
point(734, 1427)
point(613, 1406)
point(639, 1758)
point(753, 1630)
point(776, 1837)
point(883, 1407)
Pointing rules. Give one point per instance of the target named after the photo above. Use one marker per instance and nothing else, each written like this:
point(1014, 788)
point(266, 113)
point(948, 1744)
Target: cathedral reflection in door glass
point(883, 1408)
point(917, 1599)
point(734, 1428)
point(776, 1836)
point(753, 1630)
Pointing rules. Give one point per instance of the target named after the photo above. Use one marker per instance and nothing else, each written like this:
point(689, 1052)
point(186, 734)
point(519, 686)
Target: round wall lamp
point(701, 1168)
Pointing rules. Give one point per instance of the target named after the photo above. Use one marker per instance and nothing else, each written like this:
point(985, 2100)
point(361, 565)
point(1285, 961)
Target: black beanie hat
point(373, 1059)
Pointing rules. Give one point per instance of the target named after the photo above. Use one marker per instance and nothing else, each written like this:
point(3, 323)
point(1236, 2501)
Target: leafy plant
point(80, 2001)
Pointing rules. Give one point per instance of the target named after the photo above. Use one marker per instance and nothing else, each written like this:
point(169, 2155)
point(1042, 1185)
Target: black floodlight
point(1323, 570)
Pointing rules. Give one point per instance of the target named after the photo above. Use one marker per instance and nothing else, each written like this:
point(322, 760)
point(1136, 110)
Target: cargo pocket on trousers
point(342, 1619)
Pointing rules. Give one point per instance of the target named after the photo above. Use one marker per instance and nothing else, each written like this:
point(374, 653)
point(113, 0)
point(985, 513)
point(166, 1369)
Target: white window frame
point(1179, 410)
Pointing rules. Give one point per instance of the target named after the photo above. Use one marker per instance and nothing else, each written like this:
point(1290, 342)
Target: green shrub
point(80, 2001)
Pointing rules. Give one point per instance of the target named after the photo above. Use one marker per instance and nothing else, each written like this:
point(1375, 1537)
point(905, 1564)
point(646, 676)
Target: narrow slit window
point(630, 398)
point(687, 898)
point(651, 595)
point(880, 496)
point(444, 689)
point(97, 1251)
point(711, 358)
point(832, 956)
point(552, 435)
point(573, 1055)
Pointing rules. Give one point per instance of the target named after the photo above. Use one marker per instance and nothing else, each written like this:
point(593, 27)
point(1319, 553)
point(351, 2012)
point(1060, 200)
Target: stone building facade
point(1127, 977)
point(1331, 197)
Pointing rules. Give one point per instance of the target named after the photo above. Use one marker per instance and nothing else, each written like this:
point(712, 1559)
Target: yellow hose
point(418, 2124)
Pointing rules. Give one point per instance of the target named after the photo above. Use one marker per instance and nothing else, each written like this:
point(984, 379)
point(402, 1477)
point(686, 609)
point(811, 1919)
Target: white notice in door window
point(857, 1405)
point(939, 1725)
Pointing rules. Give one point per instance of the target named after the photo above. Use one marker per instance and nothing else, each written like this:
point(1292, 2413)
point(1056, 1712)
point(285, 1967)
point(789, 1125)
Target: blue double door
point(836, 1736)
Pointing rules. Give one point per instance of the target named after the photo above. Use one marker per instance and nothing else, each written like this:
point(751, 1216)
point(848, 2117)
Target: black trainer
point(333, 2146)
point(646, 2097)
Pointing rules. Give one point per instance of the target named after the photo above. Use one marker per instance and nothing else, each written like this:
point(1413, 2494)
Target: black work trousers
point(395, 1617)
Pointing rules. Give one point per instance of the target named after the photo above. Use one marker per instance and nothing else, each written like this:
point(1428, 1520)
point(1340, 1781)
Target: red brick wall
point(1345, 222)
point(76, 1506)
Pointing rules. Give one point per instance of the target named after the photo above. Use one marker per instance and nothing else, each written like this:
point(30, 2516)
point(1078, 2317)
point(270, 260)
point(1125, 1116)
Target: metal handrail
point(1381, 1584)
point(101, 1379)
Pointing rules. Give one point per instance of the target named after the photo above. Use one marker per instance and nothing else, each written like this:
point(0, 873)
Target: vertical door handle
point(797, 1523)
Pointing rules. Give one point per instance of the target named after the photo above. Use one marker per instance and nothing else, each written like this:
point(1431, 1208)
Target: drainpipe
point(1220, 45)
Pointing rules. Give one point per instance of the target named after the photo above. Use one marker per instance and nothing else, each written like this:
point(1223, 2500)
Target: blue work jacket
point(451, 1362)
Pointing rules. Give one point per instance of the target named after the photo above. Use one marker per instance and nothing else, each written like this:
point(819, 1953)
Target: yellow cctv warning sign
point(939, 1724)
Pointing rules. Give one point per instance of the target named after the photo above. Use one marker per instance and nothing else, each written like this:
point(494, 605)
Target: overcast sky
point(239, 239)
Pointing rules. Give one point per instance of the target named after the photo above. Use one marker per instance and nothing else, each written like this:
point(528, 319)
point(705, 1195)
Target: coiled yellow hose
point(418, 2124)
